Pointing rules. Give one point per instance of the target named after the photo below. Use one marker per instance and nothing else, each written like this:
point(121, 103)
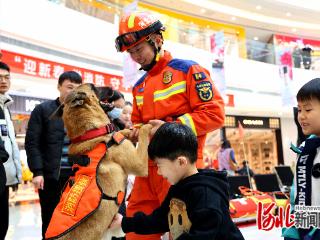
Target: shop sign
point(254, 122)
point(41, 68)
point(24, 104)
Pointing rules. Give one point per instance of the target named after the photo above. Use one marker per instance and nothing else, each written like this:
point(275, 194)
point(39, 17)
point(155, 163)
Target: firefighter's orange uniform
point(173, 90)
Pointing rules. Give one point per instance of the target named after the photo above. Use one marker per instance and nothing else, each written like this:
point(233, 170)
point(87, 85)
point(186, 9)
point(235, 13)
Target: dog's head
point(82, 111)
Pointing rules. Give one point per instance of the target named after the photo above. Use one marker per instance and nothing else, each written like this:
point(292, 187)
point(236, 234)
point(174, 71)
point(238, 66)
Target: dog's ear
point(57, 113)
point(94, 89)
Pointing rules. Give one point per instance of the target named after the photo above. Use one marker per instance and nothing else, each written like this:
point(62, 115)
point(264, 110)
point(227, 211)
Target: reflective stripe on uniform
point(179, 87)
point(139, 100)
point(187, 120)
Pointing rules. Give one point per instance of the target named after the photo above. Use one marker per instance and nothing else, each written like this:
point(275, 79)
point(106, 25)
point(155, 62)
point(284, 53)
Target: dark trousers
point(4, 213)
point(49, 199)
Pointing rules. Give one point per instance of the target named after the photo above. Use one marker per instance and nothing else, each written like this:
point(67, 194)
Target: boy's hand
point(116, 222)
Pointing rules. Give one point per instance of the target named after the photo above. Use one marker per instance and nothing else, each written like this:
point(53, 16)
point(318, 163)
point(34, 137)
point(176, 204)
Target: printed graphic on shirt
point(204, 90)
point(199, 76)
point(178, 220)
point(167, 77)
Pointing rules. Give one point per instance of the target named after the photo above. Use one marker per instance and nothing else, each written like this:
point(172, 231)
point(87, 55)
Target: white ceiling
point(261, 18)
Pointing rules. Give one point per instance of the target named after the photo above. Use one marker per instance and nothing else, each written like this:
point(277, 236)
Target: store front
point(257, 140)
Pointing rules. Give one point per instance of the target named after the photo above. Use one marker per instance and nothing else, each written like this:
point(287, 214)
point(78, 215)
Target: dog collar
point(109, 128)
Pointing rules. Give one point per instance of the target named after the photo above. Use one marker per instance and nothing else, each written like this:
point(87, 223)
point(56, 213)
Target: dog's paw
point(125, 132)
point(145, 129)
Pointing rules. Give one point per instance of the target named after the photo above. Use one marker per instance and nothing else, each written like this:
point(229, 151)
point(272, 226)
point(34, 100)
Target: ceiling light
point(258, 7)
point(288, 14)
point(202, 10)
point(256, 38)
point(208, 26)
point(233, 18)
point(244, 14)
point(293, 29)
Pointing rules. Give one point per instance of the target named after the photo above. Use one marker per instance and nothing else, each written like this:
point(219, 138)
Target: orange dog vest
point(83, 198)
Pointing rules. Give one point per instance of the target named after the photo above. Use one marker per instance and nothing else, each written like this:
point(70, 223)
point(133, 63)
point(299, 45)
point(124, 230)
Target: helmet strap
point(156, 57)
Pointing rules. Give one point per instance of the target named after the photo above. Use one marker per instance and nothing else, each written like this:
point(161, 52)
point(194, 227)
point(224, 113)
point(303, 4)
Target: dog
point(82, 114)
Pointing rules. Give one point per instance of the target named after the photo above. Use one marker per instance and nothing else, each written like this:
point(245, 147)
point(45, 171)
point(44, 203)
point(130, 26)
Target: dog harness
point(82, 195)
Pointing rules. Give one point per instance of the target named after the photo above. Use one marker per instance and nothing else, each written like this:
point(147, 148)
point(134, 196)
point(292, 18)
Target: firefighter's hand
point(116, 222)
point(133, 137)
point(38, 182)
point(155, 125)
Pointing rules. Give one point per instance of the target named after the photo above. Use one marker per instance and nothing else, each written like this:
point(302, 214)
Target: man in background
point(13, 165)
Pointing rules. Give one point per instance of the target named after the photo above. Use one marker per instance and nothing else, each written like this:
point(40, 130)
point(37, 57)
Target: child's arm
point(140, 223)
point(156, 222)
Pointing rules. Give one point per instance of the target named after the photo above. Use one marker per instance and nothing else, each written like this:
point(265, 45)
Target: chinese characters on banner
point(41, 68)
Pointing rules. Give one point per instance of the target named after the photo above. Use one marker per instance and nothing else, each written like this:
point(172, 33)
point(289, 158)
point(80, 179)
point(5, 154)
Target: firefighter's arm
point(207, 107)
point(136, 120)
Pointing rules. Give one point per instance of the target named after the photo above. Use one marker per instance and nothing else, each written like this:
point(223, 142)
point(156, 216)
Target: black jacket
point(44, 140)
point(3, 158)
point(203, 198)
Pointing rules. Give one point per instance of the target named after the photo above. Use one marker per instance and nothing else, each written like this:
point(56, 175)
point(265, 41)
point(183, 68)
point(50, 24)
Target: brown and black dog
point(81, 113)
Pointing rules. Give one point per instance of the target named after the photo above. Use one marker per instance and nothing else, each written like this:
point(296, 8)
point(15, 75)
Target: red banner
point(41, 68)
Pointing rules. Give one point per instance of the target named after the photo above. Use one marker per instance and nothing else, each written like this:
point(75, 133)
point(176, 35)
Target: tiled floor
point(25, 219)
point(25, 224)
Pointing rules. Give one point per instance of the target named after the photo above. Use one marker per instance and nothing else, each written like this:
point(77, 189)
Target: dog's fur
point(82, 112)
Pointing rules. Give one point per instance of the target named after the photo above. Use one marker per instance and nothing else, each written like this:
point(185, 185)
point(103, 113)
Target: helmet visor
point(129, 39)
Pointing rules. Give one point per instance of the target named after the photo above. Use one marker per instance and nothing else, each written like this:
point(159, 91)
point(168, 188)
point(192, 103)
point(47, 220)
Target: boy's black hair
point(73, 76)
point(4, 66)
point(172, 140)
point(226, 144)
point(309, 91)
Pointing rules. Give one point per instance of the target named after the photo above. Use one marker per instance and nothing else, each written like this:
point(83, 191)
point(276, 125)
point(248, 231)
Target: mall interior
point(258, 52)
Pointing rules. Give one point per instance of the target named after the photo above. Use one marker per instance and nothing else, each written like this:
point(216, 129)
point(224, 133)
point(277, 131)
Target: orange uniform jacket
point(173, 90)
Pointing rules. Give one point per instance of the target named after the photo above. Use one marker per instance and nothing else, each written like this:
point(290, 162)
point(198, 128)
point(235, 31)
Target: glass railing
point(186, 32)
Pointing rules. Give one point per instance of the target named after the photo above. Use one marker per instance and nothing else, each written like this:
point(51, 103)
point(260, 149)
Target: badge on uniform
point(204, 90)
point(199, 76)
point(167, 77)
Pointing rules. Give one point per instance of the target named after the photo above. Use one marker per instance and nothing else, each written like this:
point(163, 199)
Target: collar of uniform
point(163, 61)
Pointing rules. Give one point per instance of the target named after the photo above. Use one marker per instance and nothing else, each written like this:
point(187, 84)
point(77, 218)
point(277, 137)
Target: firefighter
point(171, 90)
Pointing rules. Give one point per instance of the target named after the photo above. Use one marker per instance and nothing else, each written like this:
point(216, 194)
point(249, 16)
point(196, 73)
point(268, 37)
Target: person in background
point(197, 204)
point(306, 185)
point(171, 90)
point(112, 102)
point(126, 115)
point(226, 158)
point(245, 169)
point(13, 165)
point(46, 145)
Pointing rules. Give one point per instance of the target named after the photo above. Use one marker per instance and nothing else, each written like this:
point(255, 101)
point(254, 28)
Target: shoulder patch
point(199, 76)
point(140, 80)
point(204, 90)
point(181, 64)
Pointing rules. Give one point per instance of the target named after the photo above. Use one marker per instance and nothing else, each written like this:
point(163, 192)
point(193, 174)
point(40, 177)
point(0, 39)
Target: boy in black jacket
point(197, 204)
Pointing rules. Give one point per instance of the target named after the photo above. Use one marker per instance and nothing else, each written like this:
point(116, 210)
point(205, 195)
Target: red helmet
point(136, 27)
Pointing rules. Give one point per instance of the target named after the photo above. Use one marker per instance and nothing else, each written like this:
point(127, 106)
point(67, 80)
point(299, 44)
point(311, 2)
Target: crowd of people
point(180, 100)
